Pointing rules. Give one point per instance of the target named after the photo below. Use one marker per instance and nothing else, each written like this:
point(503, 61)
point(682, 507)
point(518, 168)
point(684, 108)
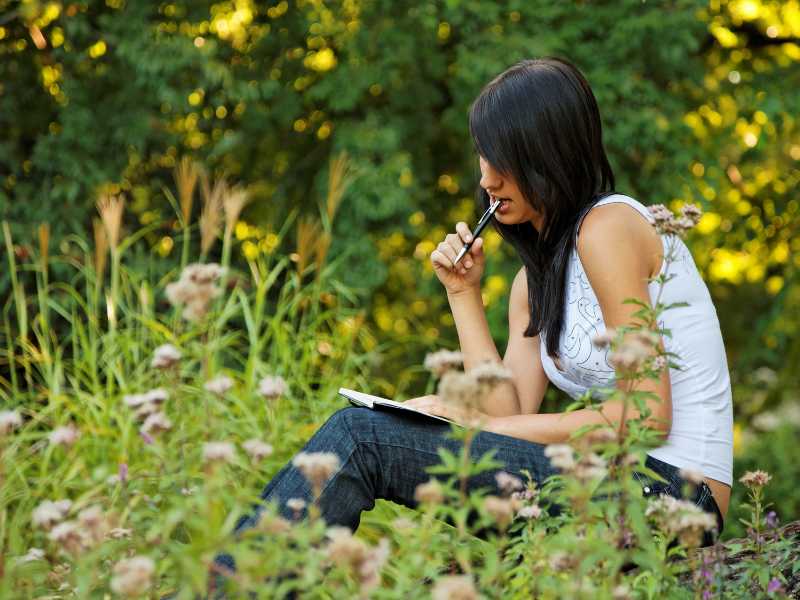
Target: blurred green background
point(700, 103)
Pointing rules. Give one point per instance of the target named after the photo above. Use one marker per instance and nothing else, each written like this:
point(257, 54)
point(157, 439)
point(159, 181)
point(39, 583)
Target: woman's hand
point(467, 273)
point(462, 415)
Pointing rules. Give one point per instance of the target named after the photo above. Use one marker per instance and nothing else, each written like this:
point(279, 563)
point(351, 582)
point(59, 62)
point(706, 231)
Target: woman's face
point(514, 208)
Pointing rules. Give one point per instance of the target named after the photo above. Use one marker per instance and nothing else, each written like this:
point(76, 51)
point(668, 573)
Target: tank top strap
point(609, 199)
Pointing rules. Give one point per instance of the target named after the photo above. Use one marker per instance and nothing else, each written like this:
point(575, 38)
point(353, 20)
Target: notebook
point(370, 401)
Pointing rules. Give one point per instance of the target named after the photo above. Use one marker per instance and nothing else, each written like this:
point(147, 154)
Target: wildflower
point(69, 536)
point(94, 523)
point(500, 509)
point(272, 386)
point(454, 587)
point(459, 389)
point(219, 385)
point(561, 456)
point(771, 519)
point(316, 467)
point(530, 511)
point(507, 483)
point(562, 561)
point(64, 436)
point(667, 223)
point(630, 355)
point(691, 212)
point(296, 504)
point(119, 533)
point(590, 466)
point(49, 513)
point(9, 421)
point(692, 476)
point(621, 592)
point(133, 576)
point(601, 340)
point(524, 495)
point(753, 479)
point(442, 361)
point(155, 423)
point(256, 449)
point(774, 585)
point(354, 554)
point(659, 362)
point(490, 373)
point(680, 518)
point(196, 288)
point(31, 555)
point(165, 356)
point(218, 452)
point(430, 492)
point(273, 524)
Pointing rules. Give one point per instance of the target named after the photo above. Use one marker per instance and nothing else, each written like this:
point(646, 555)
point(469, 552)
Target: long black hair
point(538, 123)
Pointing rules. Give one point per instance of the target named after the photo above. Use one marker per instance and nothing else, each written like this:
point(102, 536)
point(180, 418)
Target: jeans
point(384, 453)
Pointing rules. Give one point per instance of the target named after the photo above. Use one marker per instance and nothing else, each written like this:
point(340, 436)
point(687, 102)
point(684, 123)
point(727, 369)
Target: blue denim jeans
point(384, 454)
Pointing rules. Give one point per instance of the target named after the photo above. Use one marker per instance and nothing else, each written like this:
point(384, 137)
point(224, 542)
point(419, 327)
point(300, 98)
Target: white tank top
point(701, 437)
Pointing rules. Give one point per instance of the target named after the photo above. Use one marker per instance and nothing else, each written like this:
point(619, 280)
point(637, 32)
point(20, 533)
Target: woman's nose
point(490, 183)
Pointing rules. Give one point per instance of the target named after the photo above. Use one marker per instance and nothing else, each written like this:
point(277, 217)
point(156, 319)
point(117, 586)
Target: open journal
point(370, 401)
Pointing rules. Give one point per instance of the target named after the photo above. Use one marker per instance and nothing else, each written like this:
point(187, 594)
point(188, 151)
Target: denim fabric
point(384, 453)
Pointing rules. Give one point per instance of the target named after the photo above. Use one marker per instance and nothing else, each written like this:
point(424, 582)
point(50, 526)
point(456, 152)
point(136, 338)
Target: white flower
point(256, 449)
point(69, 535)
point(156, 422)
point(30, 556)
point(165, 356)
point(507, 482)
point(272, 386)
point(218, 452)
point(531, 511)
point(48, 513)
point(196, 288)
point(64, 436)
point(133, 576)
point(561, 456)
point(219, 385)
point(296, 504)
point(316, 467)
point(9, 421)
point(157, 395)
point(442, 361)
point(454, 587)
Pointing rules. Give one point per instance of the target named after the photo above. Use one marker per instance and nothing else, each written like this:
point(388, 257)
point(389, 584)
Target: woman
point(536, 128)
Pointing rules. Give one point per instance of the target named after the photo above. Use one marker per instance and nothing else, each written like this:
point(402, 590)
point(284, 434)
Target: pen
point(478, 228)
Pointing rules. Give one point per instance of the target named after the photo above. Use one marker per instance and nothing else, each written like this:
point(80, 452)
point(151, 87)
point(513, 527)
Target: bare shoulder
point(618, 224)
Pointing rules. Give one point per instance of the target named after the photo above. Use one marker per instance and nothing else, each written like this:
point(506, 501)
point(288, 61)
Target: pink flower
point(219, 385)
point(256, 449)
point(272, 386)
point(64, 436)
point(218, 452)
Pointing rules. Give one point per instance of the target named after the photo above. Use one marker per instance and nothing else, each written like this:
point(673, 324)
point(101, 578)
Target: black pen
point(478, 228)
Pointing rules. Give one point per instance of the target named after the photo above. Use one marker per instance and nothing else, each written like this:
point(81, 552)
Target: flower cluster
point(681, 519)
point(753, 479)
point(219, 386)
point(467, 389)
point(587, 467)
point(133, 576)
point(87, 531)
point(272, 387)
point(352, 553)
point(196, 288)
point(667, 223)
point(218, 452)
point(165, 356)
point(316, 467)
point(148, 410)
point(9, 421)
point(442, 361)
point(64, 436)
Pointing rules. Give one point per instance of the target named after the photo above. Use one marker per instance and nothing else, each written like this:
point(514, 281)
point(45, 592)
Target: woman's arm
point(617, 252)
